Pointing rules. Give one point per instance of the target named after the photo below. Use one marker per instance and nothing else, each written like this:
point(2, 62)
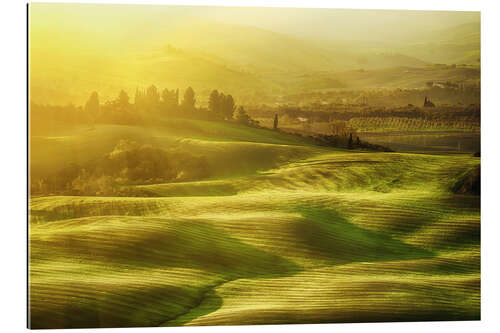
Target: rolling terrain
point(282, 231)
point(157, 199)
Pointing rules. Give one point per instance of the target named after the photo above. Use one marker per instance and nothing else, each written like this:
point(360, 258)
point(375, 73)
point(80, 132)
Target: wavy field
point(301, 235)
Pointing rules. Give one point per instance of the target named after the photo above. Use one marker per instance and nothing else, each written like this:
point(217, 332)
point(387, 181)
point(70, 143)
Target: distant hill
point(456, 45)
point(265, 50)
point(406, 77)
point(241, 60)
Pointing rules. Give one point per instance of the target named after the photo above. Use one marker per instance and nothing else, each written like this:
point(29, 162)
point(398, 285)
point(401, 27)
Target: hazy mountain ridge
point(250, 46)
point(455, 45)
point(241, 60)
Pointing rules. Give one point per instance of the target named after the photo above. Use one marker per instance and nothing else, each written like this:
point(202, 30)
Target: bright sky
point(318, 23)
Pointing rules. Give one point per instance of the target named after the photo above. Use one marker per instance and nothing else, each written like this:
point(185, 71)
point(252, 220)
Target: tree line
point(147, 103)
point(151, 100)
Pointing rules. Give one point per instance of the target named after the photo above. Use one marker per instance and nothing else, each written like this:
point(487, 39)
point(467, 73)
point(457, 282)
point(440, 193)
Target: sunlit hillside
point(282, 232)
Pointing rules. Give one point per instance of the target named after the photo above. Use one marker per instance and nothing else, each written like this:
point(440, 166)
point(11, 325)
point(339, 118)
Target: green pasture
point(284, 232)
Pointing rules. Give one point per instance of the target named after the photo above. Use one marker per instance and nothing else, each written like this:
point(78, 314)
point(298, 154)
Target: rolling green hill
point(287, 232)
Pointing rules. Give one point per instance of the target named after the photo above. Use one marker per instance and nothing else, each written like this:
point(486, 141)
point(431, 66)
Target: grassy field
point(283, 232)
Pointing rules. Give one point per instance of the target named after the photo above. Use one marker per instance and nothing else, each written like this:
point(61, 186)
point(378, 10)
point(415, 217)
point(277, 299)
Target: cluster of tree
point(221, 106)
point(129, 163)
point(148, 104)
point(145, 100)
point(152, 99)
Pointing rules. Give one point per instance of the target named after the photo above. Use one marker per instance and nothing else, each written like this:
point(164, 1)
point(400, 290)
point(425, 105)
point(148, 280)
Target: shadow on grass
point(187, 189)
point(211, 302)
point(162, 243)
point(333, 237)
